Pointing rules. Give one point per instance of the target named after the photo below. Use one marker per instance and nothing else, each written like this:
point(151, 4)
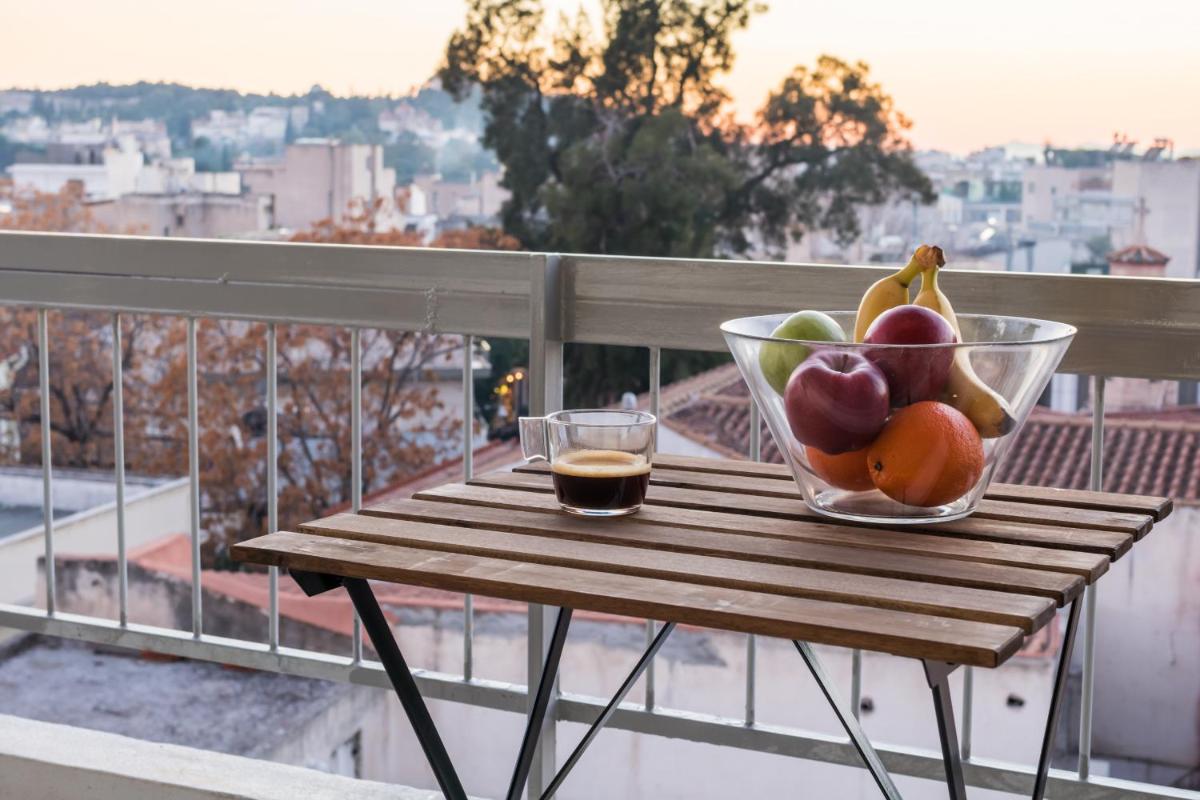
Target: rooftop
point(1139, 254)
point(226, 710)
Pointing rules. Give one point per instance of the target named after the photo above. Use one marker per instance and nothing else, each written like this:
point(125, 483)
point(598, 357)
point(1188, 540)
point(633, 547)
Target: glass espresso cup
point(599, 459)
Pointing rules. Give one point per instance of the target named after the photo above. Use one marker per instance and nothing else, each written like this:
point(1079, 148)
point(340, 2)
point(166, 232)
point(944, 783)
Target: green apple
point(778, 359)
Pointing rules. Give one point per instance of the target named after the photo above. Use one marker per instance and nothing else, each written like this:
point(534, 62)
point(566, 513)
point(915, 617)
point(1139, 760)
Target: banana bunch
point(965, 390)
point(892, 291)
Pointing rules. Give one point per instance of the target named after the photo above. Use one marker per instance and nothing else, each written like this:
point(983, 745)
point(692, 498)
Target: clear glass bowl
point(1012, 357)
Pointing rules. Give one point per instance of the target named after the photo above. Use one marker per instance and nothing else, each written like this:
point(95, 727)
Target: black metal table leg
point(382, 639)
point(938, 676)
point(537, 713)
point(1060, 683)
point(609, 709)
point(849, 722)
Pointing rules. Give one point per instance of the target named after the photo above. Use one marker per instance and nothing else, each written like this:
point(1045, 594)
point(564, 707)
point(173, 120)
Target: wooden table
point(730, 545)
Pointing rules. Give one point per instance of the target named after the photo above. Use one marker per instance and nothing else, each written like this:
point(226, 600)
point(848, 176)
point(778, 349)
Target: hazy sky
point(968, 73)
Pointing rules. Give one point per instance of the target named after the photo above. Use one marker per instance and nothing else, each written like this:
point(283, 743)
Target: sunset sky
point(968, 74)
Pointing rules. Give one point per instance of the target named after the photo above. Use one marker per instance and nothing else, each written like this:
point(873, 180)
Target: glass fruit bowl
point(896, 433)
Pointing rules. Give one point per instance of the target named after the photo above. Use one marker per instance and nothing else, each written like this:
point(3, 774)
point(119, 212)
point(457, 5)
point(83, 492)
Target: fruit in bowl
point(849, 470)
point(904, 417)
point(913, 374)
point(836, 402)
point(928, 454)
point(779, 359)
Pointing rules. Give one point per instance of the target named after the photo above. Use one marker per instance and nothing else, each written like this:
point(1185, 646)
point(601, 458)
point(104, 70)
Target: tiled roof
point(493, 455)
point(1154, 452)
point(1138, 254)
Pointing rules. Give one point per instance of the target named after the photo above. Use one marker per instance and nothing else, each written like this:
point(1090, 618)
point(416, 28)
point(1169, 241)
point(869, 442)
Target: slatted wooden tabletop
point(730, 545)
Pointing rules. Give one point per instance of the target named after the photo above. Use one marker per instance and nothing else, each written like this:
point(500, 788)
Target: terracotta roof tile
point(1139, 254)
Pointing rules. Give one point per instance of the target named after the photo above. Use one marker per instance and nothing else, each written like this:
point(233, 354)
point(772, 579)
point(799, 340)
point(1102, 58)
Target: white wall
point(1148, 647)
point(43, 761)
point(149, 515)
point(118, 175)
point(319, 178)
point(1045, 187)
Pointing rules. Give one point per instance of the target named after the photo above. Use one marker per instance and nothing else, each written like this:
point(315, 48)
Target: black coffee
point(601, 480)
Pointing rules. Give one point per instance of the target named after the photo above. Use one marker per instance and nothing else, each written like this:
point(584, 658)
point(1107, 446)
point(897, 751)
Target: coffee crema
point(600, 480)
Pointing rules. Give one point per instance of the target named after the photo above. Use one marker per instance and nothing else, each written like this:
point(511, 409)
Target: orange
point(845, 470)
point(928, 454)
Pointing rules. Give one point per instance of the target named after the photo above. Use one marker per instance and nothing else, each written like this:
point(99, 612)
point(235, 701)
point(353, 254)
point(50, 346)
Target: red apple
point(836, 401)
point(913, 373)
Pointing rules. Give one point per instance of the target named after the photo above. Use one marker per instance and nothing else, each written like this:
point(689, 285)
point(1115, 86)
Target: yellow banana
point(892, 291)
point(965, 390)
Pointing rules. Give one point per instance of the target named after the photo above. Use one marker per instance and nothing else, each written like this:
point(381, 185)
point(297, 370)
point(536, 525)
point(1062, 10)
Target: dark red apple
point(836, 401)
point(913, 373)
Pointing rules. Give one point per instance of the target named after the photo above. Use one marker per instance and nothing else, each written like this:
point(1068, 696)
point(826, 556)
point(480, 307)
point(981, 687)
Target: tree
point(80, 349)
point(622, 143)
point(476, 237)
point(410, 157)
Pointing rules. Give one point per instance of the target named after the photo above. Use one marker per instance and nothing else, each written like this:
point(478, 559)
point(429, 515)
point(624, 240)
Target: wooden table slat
point(1110, 543)
point(901, 633)
point(1024, 611)
point(1086, 564)
point(1158, 508)
point(1059, 586)
point(1137, 525)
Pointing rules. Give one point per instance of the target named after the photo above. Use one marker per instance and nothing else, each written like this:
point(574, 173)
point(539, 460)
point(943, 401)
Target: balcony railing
point(1129, 327)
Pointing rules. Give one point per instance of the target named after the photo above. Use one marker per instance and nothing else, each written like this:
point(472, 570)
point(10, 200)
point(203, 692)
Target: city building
point(85, 516)
point(196, 214)
point(1167, 199)
point(16, 102)
point(479, 199)
point(105, 172)
point(239, 128)
point(319, 179)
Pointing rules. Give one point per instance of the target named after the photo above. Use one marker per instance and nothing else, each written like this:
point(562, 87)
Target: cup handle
point(533, 438)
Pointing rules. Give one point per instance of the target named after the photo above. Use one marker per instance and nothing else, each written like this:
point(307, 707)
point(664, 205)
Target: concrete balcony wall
point(42, 761)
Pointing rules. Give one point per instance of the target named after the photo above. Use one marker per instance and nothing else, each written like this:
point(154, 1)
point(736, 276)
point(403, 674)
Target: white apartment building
point(177, 175)
point(1046, 188)
point(265, 123)
point(115, 174)
point(319, 179)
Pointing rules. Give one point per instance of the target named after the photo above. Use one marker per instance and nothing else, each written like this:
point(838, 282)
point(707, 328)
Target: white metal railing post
point(545, 395)
point(47, 466)
point(468, 463)
point(1096, 483)
point(118, 403)
point(655, 402)
point(194, 476)
point(356, 478)
point(272, 480)
point(968, 712)
point(751, 712)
